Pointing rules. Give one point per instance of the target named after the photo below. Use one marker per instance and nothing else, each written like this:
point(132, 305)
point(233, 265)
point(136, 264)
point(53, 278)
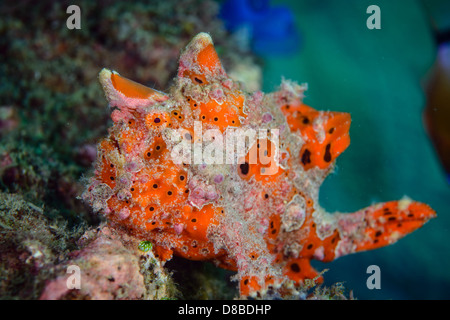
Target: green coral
point(145, 246)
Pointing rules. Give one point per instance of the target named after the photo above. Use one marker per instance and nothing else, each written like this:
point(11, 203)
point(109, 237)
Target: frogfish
point(167, 173)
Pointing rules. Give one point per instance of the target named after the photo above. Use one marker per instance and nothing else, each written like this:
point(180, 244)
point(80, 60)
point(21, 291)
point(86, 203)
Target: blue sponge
point(271, 29)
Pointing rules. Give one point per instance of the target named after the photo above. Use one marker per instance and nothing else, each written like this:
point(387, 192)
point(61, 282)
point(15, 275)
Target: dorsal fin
point(199, 60)
point(124, 93)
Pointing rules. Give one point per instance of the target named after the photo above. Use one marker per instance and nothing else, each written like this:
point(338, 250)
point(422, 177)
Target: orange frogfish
point(210, 172)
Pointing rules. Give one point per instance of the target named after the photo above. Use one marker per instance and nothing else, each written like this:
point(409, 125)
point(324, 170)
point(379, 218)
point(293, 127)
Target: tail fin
point(380, 225)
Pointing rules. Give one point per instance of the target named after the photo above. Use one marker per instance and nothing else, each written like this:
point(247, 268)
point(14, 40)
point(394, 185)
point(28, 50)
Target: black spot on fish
point(245, 168)
point(327, 156)
point(295, 267)
point(306, 157)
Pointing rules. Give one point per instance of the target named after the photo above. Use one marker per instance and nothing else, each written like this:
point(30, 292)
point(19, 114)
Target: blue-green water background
point(378, 76)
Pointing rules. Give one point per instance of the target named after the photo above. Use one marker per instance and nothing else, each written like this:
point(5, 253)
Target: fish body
point(166, 174)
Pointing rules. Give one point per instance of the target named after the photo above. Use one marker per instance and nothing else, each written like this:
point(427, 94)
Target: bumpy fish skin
point(262, 220)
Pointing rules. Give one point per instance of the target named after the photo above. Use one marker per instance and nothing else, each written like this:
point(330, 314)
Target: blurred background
point(395, 82)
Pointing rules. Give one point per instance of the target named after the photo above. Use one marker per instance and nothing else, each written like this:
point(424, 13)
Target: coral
point(256, 213)
point(335, 292)
point(9, 119)
point(31, 246)
point(198, 280)
point(111, 267)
